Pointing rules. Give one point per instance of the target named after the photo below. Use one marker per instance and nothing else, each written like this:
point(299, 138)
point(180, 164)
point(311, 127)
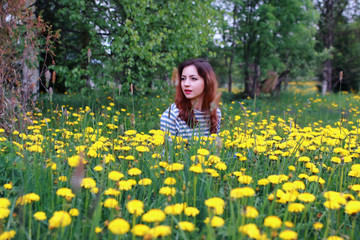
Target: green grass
point(264, 144)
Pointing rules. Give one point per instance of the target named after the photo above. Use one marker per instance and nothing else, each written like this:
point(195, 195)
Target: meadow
point(98, 167)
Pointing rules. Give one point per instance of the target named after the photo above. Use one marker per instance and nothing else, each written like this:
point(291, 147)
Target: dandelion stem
point(353, 227)
point(195, 181)
point(327, 224)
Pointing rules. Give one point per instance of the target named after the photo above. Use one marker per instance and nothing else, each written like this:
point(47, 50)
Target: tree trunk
point(233, 45)
point(283, 78)
point(30, 67)
point(330, 11)
point(248, 80)
point(252, 75)
point(327, 77)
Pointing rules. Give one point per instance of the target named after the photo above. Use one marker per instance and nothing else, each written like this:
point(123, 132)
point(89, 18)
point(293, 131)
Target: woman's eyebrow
point(189, 76)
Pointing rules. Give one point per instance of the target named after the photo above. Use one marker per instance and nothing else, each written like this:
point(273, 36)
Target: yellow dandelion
point(158, 231)
point(175, 209)
point(145, 181)
point(88, 183)
point(273, 222)
point(59, 219)
point(332, 204)
point(251, 230)
point(186, 226)
point(140, 230)
point(215, 221)
point(296, 207)
point(251, 212)
point(167, 191)
point(119, 226)
point(74, 212)
point(191, 211)
point(135, 207)
point(134, 171)
point(115, 175)
point(306, 197)
point(216, 204)
point(111, 203)
point(318, 226)
point(203, 152)
point(288, 235)
point(154, 215)
point(169, 181)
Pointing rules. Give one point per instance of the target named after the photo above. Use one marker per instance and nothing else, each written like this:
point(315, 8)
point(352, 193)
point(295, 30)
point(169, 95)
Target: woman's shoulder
point(171, 111)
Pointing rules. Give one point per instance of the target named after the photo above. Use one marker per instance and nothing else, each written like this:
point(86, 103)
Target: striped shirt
point(172, 123)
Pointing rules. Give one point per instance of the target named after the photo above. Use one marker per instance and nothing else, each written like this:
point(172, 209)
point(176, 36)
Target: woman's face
point(192, 85)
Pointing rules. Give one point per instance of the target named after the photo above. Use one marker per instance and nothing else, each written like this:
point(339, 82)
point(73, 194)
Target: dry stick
point(340, 79)
point(245, 116)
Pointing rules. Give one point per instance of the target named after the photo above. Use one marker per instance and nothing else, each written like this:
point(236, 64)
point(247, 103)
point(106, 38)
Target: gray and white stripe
point(170, 122)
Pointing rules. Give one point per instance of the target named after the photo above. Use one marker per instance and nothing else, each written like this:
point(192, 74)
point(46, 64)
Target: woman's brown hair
point(209, 104)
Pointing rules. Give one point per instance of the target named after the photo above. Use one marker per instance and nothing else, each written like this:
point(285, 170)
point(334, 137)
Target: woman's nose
point(187, 82)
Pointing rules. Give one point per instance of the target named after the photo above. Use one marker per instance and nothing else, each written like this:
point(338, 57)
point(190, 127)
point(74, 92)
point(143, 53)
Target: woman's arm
point(168, 122)
point(219, 121)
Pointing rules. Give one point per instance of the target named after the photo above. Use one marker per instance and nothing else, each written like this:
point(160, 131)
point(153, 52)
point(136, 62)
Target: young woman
point(195, 111)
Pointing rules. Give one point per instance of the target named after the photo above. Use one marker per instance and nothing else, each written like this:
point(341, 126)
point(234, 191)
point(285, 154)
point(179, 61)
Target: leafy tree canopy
point(131, 41)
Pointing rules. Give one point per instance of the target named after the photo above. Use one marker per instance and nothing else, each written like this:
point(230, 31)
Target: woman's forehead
point(190, 70)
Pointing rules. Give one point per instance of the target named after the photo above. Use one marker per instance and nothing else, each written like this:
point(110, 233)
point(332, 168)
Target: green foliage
point(346, 57)
point(136, 42)
point(273, 35)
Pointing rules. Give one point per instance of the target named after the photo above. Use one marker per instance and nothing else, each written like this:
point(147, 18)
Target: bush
point(23, 37)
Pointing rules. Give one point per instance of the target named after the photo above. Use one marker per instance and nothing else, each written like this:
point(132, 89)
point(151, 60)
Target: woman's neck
point(197, 103)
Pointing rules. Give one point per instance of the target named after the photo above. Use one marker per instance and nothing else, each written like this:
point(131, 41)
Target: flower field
point(285, 168)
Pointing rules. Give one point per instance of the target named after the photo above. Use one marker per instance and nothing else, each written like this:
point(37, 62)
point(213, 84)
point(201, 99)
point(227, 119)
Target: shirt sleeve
point(219, 121)
point(168, 122)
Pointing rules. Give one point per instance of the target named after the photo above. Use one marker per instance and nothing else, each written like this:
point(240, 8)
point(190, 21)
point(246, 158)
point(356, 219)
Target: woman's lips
point(187, 91)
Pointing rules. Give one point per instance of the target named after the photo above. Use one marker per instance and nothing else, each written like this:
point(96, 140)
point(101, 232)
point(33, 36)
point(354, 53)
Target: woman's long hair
point(210, 101)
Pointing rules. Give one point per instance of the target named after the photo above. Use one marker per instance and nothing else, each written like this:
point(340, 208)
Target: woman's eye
point(182, 79)
point(194, 79)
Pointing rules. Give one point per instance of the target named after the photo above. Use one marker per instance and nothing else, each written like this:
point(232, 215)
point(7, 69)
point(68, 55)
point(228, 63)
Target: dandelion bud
point(341, 76)
point(148, 236)
point(51, 92)
point(131, 89)
point(47, 77)
point(89, 54)
point(119, 88)
point(53, 77)
point(132, 119)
